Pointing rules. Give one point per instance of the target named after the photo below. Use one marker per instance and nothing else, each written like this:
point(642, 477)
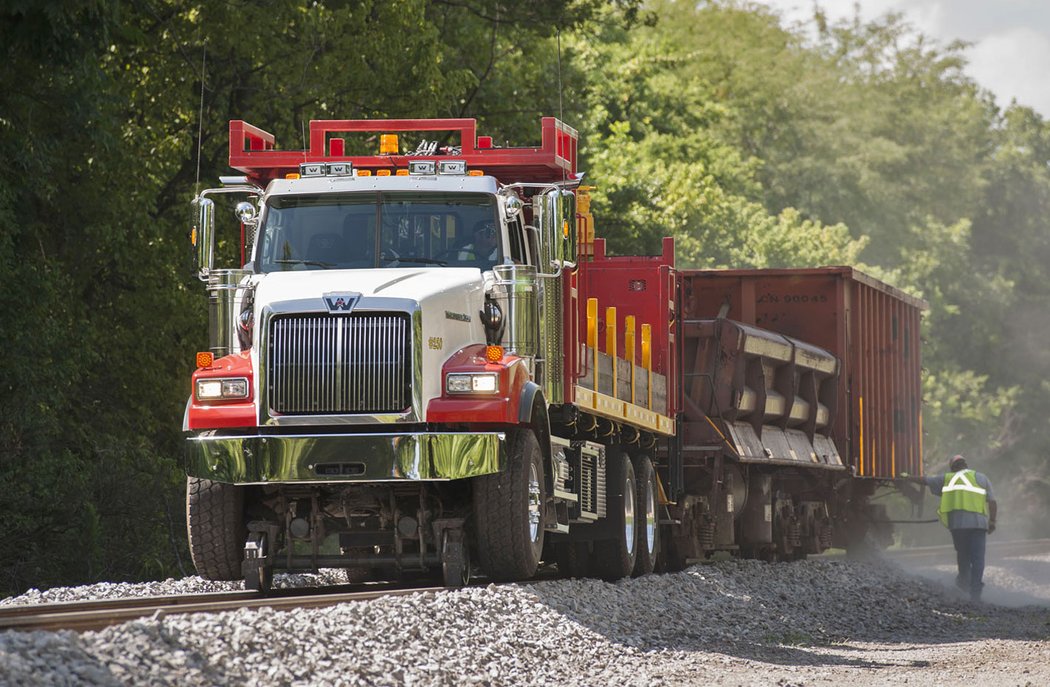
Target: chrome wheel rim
point(535, 505)
point(650, 517)
point(628, 514)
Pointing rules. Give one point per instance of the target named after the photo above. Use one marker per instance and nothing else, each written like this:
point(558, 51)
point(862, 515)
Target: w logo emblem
point(341, 302)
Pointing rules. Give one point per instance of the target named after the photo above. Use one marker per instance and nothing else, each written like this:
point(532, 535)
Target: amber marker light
point(293, 175)
point(382, 172)
point(205, 359)
point(402, 172)
point(364, 172)
point(388, 144)
point(475, 173)
point(493, 354)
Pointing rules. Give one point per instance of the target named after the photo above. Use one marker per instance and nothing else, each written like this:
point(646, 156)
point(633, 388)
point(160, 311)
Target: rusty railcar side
point(871, 327)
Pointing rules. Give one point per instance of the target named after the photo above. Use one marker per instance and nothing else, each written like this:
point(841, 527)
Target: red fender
point(220, 414)
point(501, 407)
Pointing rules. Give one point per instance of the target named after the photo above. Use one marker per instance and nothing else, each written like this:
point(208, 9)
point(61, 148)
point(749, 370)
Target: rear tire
point(509, 512)
point(215, 525)
point(647, 517)
point(614, 558)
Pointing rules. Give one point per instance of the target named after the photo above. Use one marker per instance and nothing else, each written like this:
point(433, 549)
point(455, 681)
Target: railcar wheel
point(573, 559)
point(509, 512)
point(215, 525)
point(614, 558)
point(646, 516)
point(358, 574)
point(670, 559)
point(455, 559)
point(258, 575)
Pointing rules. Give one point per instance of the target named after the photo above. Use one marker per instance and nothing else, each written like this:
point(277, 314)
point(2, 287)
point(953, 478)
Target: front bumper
point(298, 458)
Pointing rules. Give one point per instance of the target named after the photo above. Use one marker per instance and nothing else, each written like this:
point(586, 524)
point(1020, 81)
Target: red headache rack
point(252, 149)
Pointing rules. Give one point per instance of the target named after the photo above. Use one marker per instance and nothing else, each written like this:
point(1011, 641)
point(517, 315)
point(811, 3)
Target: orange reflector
point(292, 175)
point(402, 172)
point(193, 236)
point(382, 172)
point(388, 144)
point(493, 354)
point(475, 173)
point(205, 359)
point(364, 172)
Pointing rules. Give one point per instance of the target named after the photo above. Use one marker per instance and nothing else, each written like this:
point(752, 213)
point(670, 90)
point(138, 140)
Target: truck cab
point(376, 353)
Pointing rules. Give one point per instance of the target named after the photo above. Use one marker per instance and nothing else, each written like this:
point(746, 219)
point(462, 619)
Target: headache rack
point(252, 149)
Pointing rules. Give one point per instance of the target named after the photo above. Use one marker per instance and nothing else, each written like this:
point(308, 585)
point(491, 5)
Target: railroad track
point(930, 555)
point(95, 615)
point(995, 549)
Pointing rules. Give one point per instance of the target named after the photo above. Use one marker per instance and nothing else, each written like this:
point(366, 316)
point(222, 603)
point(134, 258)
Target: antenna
point(200, 123)
point(561, 117)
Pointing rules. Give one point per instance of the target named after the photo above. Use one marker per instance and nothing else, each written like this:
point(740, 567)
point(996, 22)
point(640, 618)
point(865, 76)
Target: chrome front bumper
point(270, 459)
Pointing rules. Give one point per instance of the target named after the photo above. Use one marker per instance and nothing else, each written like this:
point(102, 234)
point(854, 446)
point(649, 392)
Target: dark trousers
point(969, 554)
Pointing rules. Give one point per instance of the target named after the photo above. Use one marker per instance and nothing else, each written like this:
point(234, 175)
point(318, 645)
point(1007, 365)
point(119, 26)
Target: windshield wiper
point(315, 263)
point(421, 261)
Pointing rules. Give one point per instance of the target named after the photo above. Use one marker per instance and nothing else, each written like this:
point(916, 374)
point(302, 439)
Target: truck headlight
point(472, 383)
point(222, 389)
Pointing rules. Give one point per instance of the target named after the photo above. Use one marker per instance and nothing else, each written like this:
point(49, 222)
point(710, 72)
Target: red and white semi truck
point(426, 361)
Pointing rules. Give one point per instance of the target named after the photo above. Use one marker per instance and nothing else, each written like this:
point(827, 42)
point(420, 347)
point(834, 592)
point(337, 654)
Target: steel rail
point(995, 549)
point(83, 616)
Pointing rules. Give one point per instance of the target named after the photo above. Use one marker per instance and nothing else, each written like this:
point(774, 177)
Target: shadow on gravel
point(778, 613)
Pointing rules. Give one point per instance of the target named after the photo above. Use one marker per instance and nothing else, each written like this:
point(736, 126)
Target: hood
point(409, 283)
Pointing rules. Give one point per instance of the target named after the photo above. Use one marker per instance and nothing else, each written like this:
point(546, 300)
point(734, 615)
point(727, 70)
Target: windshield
point(339, 231)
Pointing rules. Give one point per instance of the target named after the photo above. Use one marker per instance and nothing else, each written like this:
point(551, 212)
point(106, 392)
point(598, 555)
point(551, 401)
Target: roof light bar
point(422, 167)
point(452, 167)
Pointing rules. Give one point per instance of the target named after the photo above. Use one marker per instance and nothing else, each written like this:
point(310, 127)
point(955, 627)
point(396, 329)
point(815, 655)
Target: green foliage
point(663, 168)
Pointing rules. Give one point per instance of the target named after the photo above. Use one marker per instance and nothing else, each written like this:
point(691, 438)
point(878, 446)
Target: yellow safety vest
point(961, 492)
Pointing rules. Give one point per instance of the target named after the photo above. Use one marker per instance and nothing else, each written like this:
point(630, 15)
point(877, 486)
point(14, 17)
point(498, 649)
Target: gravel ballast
point(816, 622)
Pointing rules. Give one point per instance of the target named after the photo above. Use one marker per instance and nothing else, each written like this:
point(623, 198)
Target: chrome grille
point(322, 364)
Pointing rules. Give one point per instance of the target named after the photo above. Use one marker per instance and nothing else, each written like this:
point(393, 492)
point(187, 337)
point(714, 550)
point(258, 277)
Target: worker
point(968, 510)
point(485, 245)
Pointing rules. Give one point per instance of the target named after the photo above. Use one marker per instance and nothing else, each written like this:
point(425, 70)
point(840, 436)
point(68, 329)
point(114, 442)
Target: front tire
point(509, 512)
point(215, 525)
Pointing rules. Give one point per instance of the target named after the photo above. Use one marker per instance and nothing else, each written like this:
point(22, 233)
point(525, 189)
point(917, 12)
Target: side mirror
point(568, 227)
point(558, 229)
point(203, 237)
point(246, 212)
point(512, 204)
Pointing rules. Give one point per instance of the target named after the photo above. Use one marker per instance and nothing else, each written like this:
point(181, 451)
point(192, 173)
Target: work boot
point(962, 583)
